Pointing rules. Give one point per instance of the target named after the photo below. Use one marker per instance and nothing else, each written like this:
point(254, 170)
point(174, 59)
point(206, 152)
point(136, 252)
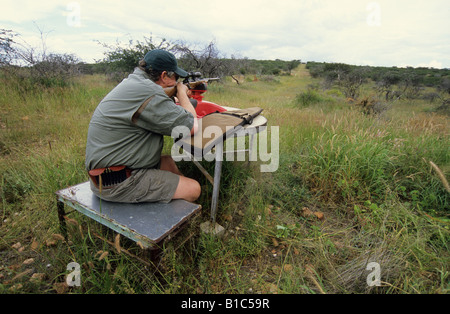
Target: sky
point(361, 32)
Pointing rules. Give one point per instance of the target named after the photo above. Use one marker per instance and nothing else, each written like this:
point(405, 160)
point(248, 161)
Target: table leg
point(216, 186)
point(251, 147)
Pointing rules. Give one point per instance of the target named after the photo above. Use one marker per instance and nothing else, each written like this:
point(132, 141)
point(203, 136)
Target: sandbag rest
point(246, 114)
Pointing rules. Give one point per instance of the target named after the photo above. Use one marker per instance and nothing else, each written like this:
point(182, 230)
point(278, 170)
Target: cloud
point(25, 11)
point(379, 32)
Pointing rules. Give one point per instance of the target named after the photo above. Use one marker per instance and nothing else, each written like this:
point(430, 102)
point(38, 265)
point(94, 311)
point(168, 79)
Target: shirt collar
point(139, 71)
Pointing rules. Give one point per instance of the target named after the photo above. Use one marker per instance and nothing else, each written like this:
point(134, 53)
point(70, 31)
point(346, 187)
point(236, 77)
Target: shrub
point(308, 98)
point(34, 68)
point(121, 58)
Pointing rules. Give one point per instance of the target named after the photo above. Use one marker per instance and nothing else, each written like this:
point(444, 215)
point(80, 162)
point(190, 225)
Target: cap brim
point(181, 72)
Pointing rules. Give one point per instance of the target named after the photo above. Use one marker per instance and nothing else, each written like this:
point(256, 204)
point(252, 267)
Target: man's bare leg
point(167, 163)
point(188, 189)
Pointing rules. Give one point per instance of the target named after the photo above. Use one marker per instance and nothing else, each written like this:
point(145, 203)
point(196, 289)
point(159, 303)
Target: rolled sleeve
point(162, 115)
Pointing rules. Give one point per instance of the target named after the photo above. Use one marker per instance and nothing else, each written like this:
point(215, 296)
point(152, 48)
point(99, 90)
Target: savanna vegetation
point(361, 180)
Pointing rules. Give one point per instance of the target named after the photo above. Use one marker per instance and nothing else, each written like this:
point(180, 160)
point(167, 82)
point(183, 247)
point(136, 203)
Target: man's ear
point(161, 78)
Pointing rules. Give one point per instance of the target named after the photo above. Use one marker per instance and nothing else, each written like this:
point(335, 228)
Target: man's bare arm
point(184, 101)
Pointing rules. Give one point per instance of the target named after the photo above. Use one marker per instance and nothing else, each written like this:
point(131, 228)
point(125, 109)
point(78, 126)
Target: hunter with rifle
point(125, 135)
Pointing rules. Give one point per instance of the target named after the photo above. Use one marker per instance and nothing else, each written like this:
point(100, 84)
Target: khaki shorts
point(144, 185)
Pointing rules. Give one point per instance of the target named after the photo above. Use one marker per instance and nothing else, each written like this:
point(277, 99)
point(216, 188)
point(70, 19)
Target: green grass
point(370, 177)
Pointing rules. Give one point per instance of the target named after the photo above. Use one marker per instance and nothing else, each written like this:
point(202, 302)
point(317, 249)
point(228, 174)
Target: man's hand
point(182, 95)
point(182, 89)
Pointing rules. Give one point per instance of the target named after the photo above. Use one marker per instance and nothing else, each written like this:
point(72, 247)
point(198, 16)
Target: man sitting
point(125, 136)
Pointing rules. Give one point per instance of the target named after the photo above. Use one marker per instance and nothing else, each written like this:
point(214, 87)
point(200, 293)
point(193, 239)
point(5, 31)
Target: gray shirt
point(115, 138)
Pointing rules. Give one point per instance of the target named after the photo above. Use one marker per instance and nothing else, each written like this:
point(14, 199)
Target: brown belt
point(109, 176)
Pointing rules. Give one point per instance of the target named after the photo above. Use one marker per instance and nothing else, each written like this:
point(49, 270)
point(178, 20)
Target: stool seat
point(147, 223)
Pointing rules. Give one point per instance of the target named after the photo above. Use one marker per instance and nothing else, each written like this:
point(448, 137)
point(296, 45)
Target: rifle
point(194, 82)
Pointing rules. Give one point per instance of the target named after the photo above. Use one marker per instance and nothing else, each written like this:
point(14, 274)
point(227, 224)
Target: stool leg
point(61, 214)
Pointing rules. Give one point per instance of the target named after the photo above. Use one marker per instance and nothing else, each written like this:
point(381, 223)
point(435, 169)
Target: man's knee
point(188, 189)
point(197, 190)
point(193, 191)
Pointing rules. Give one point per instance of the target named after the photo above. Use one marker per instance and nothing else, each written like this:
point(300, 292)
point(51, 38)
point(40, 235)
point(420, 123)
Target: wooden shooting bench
point(150, 224)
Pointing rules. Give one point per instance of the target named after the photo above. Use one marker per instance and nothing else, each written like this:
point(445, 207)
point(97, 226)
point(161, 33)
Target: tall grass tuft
point(358, 158)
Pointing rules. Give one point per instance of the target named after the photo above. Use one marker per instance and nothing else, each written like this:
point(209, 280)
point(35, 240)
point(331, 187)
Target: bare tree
point(208, 59)
point(6, 49)
point(350, 83)
point(35, 66)
point(236, 65)
point(386, 85)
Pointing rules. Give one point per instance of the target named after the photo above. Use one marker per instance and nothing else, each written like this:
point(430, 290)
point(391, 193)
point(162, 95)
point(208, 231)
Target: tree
point(292, 65)
point(236, 65)
point(350, 82)
point(6, 49)
point(34, 66)
point(386, 83)
point(411, 85)
point(347, 78)
point(444, 96)
point(208, 60)
point(123, 59)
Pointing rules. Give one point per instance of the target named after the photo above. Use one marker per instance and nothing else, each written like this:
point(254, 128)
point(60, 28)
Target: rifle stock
point(171, 91)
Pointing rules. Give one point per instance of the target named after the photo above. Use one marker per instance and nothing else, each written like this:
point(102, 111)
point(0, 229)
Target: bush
point(32, 68)
point(313, 97)
point(123, 59)
point(55, 70)
point(308, 98)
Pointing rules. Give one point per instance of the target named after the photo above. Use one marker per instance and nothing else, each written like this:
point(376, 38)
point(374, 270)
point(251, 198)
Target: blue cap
point(163, 60)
